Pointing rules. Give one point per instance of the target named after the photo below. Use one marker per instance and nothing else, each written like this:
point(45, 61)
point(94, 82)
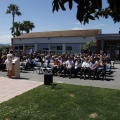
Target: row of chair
point(45, 67)
point(38, 66)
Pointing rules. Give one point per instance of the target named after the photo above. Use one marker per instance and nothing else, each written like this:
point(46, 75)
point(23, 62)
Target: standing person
point(9, 63)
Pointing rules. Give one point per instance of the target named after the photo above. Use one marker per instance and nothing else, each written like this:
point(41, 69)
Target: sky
point(40, 13)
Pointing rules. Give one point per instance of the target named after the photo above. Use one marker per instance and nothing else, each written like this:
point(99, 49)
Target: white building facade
point(54, 41)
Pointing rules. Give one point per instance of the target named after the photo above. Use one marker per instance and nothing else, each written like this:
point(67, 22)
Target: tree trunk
point(13, 25)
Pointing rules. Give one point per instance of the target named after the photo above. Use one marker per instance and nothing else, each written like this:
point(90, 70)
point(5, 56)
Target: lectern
point(16, 68)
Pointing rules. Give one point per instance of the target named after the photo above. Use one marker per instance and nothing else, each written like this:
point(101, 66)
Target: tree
point(27, 26)
point(20, 28)
point(90, 9)
point(89, 45)
point(16, 30)
point(14, 10)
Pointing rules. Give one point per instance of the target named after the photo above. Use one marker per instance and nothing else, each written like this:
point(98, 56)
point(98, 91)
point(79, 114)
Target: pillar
point(63, 48)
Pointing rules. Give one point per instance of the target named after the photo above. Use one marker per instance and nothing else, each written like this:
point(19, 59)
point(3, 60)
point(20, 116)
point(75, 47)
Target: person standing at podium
point(9, 63)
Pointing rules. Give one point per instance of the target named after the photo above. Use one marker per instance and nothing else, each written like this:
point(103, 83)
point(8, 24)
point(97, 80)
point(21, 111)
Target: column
point(63, 48)
point(23, 47)
point(49, 47)
point(80, 48)
point(36, 47)
point(102, 45)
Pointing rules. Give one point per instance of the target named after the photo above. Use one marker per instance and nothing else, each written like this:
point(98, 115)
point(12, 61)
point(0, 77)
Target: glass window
point(16, 47)
point(59, 47)
point(28, 47)
point(53, 47)
point(69, 48)
point(45, 48)
point(20, 47)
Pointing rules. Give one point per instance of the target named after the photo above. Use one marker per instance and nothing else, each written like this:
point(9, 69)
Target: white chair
point(37, 66)
point(108, 69)
point(43, 67)
point(50, 67)
point(22, 65)
point(112, 64)
point(46, 67)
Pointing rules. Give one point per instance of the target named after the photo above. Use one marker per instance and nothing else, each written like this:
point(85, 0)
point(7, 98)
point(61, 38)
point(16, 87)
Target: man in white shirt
point(70, 66)
point(93, 68)
point(85, 68)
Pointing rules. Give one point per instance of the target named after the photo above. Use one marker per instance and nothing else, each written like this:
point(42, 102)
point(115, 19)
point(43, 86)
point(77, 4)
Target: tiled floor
point(10, 88)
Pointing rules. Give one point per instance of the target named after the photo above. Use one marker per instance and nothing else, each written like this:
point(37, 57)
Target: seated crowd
point(71, 65)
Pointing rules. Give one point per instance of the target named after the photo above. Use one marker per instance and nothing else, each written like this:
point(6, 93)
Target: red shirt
point(56, 62)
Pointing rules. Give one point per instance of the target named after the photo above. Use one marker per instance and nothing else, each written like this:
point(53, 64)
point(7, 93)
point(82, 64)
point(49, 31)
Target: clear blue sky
point(40, 13)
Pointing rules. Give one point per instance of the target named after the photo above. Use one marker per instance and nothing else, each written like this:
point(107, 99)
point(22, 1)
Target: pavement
point(10, 88)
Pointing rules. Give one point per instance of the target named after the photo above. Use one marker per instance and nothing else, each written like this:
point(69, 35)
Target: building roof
point(67, 33)
point(108, 36)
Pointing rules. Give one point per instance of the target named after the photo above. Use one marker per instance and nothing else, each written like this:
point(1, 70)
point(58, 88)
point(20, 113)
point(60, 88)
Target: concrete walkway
point(112, 81)
point(10, 88)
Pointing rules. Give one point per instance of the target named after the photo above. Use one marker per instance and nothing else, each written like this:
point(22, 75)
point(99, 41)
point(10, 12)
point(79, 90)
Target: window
point(59, 47)
point(28, 47)
point(53, 47)
point(45, 48)
point(16, 47)
point(69, 48)
point(56, 49)
point(20, 47)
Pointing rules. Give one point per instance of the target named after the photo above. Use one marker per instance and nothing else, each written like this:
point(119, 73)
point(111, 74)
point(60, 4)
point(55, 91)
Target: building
point(110, 43)
point(54, 41)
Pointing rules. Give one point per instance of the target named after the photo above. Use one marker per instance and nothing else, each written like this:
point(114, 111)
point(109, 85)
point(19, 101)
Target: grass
point(63, 102)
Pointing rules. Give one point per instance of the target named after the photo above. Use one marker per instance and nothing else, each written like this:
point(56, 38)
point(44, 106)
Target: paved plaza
point(10, 88)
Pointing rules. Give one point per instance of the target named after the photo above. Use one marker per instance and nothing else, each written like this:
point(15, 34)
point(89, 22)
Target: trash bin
point(48, 78)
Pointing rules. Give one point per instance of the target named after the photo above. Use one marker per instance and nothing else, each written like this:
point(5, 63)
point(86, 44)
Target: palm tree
point(27, 26)
point(14, 10)
point(17, 31)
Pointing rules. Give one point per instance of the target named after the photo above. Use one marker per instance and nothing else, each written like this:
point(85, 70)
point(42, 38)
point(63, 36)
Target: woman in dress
point(9, 63)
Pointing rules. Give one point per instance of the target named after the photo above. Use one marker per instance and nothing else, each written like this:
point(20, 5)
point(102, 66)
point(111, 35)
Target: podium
point(16, 68)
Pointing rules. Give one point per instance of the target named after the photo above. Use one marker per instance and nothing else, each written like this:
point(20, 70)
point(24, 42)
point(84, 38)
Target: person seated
point(36, 60)
point(69, 66)
point(2, 62)
point(107, 59)
point(47, 60)
point(51, 59)
point(77, 66)
point(85, 68)
point(29, 64)
point(93, 68)
point(101, 64)
point(62, 68)
point(56, 66)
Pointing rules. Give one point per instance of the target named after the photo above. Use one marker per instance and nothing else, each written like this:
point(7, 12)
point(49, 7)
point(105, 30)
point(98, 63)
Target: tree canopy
point(14, 10)
point(19, 28)
point(90, 9)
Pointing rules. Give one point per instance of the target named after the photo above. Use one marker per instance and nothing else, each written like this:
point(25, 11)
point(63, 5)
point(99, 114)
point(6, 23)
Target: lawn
point(63, 102)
